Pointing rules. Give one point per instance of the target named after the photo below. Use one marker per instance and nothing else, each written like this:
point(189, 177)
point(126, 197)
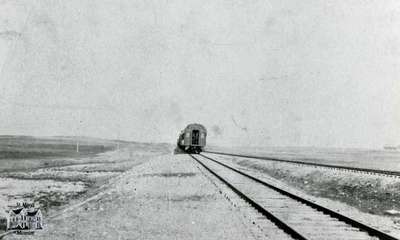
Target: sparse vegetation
point(18, 147)
point(53, 163)
point(369, 194)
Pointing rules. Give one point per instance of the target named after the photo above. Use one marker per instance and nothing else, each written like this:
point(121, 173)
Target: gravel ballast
point(167, 197)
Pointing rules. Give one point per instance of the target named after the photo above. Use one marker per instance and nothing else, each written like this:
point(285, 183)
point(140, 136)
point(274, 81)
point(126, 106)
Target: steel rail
point(370, 230)
point(365, 170)
point(281, 224)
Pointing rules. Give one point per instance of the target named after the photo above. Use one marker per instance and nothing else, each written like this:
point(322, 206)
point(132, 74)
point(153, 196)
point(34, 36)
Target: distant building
point(25, 217)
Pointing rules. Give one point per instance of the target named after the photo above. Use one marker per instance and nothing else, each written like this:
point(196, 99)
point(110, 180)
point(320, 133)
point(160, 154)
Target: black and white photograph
point(199, 120)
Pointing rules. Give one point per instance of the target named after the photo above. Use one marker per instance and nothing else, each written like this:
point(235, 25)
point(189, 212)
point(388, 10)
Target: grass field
point(50, 172)
point(33, 147)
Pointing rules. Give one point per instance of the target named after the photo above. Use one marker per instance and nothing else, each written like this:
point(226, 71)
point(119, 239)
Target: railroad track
point(296, 216)
point(321, 165)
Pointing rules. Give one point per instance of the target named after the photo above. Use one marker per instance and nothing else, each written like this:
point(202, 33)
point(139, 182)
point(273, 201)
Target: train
point(192, 139)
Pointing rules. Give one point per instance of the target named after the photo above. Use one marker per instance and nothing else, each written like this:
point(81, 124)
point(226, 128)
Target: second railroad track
point(296, 216)
point(317, 165)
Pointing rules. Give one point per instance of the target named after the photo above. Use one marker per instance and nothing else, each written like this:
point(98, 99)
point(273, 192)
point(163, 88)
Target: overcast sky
point(261, 73)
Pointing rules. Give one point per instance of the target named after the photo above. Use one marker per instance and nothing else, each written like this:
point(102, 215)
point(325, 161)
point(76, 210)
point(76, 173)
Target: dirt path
point(165, 198)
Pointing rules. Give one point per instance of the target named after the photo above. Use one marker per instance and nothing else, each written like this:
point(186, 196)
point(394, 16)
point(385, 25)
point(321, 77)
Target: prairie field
point(51, 172)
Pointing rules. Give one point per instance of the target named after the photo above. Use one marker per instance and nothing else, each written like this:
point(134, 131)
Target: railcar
point(193, 138)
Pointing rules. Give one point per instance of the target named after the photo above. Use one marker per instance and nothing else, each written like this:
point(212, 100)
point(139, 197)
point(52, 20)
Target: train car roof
point(196, 126)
